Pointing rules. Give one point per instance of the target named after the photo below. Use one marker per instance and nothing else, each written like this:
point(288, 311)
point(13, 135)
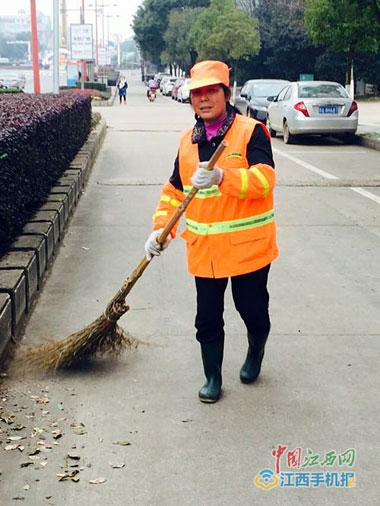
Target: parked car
point(183, 95)
point(167, 85)
point(177, 84)
point(253, 100)
point(158, 77)
point(162, 81)
point(313, 107)
point(12, 81)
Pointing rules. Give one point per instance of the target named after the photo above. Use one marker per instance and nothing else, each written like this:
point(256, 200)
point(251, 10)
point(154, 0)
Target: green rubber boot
point(212, 357)
point(252, 366)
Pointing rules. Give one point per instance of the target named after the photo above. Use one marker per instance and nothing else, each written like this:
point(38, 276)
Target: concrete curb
point(368, 141)
point(24, 267)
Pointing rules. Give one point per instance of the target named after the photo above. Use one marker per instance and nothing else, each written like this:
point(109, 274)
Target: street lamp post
point(96, 34)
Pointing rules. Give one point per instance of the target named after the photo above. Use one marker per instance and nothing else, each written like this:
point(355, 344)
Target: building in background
point(16, 29)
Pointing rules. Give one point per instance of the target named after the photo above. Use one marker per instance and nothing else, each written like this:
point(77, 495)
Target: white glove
point(152, 247)
point(203, 178)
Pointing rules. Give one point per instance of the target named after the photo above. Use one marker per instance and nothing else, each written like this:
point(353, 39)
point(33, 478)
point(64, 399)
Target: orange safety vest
point(230, 229)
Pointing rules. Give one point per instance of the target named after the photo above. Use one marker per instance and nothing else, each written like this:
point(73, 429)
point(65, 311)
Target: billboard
point(81, 41)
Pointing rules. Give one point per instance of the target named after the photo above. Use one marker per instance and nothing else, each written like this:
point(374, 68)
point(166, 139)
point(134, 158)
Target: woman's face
point(209, 102)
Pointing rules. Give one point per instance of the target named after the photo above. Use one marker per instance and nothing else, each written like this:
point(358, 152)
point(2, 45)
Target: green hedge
point(10, 90)
point(92, 85)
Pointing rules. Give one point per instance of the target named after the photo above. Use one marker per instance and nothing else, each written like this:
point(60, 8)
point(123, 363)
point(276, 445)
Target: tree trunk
point(348, 69)
point(193, 57)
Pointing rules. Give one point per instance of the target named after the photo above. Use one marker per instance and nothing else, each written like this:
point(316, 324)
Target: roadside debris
point(121, 443)
point(98, 481)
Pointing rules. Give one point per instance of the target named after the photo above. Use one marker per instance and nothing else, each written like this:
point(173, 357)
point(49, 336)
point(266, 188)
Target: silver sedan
point(313, 107)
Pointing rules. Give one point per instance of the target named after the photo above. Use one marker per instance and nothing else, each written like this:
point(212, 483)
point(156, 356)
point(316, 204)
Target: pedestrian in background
point(122, 86)
point(230, 228)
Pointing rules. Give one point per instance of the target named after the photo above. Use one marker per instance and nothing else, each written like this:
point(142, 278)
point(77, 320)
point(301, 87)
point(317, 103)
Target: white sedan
point(313, 107)
point(167, 85)
point(12, 81)
point(183, 93)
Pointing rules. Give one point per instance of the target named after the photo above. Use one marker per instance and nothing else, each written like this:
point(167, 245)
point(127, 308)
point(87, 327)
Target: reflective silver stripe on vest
point(204, 194)
point(222, 227)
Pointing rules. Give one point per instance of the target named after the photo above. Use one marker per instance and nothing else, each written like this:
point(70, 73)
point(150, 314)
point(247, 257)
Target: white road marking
point(326, 175)
point(367, 194)
point(306, 165)
point(327, 152)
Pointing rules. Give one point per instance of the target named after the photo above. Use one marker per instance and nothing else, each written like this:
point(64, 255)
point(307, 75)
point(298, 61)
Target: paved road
point(319, 386)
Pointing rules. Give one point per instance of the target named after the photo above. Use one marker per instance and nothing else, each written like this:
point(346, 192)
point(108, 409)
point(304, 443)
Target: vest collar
point(199, 131)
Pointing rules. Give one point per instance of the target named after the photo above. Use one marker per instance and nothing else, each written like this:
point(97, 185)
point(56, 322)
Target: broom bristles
point(99, 337)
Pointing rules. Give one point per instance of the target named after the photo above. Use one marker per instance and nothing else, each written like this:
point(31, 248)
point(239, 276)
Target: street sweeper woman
point(230, 228)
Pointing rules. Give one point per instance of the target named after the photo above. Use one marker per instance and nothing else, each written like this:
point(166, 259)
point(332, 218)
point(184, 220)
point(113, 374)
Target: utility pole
point(64, 24)
point(36, 65)
point(83, 61)
point(96, 35)
point(56, 46)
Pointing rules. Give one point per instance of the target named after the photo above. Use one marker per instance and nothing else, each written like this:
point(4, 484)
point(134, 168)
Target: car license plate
point(328, 109)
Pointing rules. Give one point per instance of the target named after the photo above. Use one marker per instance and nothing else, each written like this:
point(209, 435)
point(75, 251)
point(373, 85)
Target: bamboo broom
point(103, 335)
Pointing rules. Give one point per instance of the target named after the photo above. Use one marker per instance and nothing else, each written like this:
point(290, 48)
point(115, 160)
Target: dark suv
point(252, 100)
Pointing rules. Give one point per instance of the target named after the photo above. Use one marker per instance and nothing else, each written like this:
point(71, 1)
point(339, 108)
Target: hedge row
point(93, 85)
point(10, 90)
point(39, 137)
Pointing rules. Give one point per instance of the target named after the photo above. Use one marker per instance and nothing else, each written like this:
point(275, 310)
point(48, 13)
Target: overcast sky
point(120, 25)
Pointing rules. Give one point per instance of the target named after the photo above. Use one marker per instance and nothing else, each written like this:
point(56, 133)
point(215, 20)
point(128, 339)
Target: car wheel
point(288, 137)
point(271, 131)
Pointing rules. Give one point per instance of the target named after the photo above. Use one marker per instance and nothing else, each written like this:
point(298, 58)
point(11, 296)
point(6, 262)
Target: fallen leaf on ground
point(26, 464)
point(9, 448)
point(19, 426)
point(117, 466)
point(97, 481)
point(79, 429)
point(15, 438)
point(69, 475)
point(74, 456)
point(121, 443)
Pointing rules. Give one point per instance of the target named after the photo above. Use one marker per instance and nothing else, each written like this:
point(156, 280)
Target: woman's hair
point(226, 90)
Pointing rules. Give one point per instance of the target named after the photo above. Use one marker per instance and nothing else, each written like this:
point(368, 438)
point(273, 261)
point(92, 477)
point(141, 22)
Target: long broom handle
point(139, 270)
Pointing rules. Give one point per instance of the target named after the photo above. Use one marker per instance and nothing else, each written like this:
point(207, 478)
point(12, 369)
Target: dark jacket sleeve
point(259, 148)
point(175, 178)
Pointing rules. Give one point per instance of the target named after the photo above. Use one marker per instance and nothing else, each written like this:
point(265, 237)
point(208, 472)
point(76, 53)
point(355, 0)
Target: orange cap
point(208, 72)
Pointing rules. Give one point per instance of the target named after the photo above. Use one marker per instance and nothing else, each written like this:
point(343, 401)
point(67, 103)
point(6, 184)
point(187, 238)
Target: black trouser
point(251, 299)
